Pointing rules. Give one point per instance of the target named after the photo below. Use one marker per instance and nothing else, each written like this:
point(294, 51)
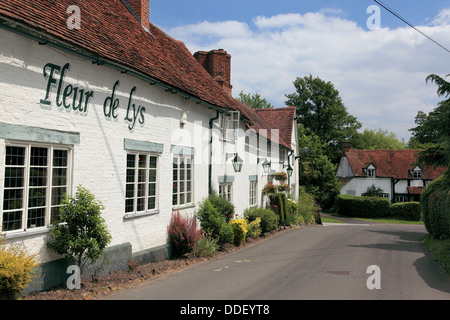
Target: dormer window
point(417, 173)
point(371, 171)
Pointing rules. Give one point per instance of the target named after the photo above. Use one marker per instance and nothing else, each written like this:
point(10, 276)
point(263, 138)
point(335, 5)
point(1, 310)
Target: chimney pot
point(218, 64)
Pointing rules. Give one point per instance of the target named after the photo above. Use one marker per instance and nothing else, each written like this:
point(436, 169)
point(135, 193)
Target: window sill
point(184, 206)
point(25, 233)
point(140, 214)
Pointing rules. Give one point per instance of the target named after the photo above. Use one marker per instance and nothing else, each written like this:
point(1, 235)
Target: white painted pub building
point(121, 108)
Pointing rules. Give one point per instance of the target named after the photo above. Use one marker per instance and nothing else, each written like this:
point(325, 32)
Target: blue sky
point(380, 73)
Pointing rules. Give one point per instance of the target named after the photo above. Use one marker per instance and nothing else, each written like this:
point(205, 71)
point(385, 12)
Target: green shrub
point(405, 210)
point(81, 232)
point(206, 246)
point(212, 222)
point(239, 229)
point(278, 204)
point(225, 207)
point(254, 228)
point(307, 208)
point(362, 207)
point(16, 269)
point(435, 204)
point(269, 219)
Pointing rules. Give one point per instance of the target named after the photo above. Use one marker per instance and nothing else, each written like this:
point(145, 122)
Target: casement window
point(182, 188)
point(141, 183)
point(283, 156)
point(229, 125)
point(36, 177)
point(371, 171)
point(253, 193)
point(417, 173)
point(226, 190)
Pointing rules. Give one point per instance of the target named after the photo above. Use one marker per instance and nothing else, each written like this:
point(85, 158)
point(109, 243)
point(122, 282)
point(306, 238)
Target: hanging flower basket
point(269, 188)
point(280, 176)
point(283, 187)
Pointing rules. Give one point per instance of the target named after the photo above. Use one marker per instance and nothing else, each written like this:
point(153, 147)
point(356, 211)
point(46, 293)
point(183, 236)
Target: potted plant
point(280, 176)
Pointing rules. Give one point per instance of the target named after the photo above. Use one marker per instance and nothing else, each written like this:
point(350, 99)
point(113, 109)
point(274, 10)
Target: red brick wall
point(141, 8)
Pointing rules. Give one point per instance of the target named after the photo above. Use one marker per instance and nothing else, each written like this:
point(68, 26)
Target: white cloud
point(380, 74)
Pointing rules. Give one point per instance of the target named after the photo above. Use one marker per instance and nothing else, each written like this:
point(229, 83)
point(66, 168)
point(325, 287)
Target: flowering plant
point(283, 187)
point(280, 176)
point(269, 188)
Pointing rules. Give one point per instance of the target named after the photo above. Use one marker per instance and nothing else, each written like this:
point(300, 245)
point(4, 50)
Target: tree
point(319, 178)
point(376, 139)
point(254, 101)
point(81, 232)
point(320, 109)
point(433, 130)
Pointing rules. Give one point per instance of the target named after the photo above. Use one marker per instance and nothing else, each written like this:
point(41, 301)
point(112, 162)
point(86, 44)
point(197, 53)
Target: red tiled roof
point(109, 31)
point(389, 163)
point(281, 119)
point(415, 190)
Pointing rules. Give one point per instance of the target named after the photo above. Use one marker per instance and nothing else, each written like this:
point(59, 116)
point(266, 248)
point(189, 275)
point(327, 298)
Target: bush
point(434, 203)
point(278, 204)
point(225, 207)
point(307, 208)
point(269, 219)
point(206, 246)
point(16, 269)
point(239, 229)
point(213, 223)
point(363, 207)
point(405, 210)
point(81, 232)
point(254, 228)
point(183, 234)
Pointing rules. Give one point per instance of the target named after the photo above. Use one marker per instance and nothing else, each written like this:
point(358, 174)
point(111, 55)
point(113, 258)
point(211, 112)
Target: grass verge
point(440, 250)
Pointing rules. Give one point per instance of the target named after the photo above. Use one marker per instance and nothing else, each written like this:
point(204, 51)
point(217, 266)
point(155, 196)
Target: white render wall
point(99, 161)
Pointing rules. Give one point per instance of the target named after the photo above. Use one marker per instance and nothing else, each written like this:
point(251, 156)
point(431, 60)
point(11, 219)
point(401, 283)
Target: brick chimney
point(141, 10)
point(218, 65)
point(345, 147)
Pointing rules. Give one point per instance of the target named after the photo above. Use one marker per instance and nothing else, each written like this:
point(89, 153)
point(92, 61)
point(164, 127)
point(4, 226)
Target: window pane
point(59, 177)
point(36, 197)
point(57, 195)
point(15, 156)
point(153, 162)
point(60, 158)
point(12, 199)
point(38, 177)
point(12, 220)
point(151, 203)
point(36, 218)
point(142, 161)
point(38, 157)
point(14, 177)
point(129, 205)
point(131, 159)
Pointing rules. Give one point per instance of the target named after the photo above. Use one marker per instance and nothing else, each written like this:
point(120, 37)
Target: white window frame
point(253, 193)
point(371, 171)
point(182, 181)
point(50, 184)
point(226, 190)
point(228, 125)
point(417, 173)
point(146, 193)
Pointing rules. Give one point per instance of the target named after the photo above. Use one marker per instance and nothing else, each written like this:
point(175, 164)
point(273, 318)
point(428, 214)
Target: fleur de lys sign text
point(72, 97)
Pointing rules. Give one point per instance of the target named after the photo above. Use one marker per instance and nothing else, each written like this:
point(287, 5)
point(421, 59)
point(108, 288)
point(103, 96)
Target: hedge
point(269, 219)
point(363, 207)
point(405, 210)
point(435, 204)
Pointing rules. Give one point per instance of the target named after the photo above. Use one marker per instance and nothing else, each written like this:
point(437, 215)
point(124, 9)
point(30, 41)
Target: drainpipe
point(211, 121)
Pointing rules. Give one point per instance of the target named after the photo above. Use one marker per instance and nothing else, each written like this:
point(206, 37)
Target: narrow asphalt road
point(320, 262)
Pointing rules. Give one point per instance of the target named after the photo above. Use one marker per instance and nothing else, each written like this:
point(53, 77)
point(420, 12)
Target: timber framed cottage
point(393, 171)
point(93, 94)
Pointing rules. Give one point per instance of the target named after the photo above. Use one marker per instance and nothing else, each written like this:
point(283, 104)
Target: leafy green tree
point(81, 232)
point(433, 130)
point(317, 172)
point(320, 109)
point(254, 101)
point(376, 139)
